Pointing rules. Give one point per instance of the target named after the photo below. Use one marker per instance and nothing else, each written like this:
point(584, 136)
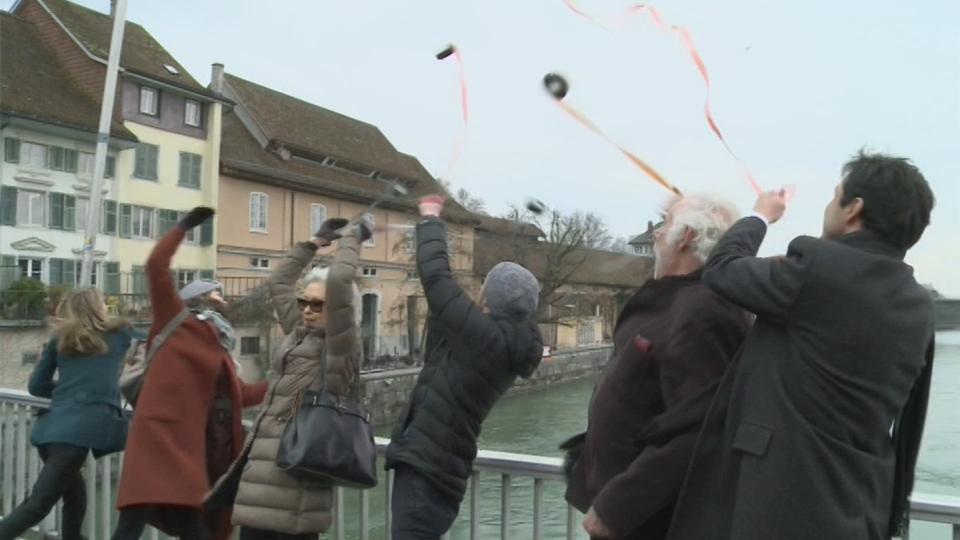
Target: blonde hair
point(82, 322)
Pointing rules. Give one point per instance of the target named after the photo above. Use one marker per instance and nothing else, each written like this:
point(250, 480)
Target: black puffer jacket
point(471, 359)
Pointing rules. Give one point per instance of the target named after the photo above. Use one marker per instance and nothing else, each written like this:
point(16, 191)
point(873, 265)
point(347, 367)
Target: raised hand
point(431, 205)
point(771, 205)
point(196, 217)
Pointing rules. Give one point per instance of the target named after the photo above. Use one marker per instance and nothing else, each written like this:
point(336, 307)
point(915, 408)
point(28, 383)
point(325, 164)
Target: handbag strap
point(165, 333)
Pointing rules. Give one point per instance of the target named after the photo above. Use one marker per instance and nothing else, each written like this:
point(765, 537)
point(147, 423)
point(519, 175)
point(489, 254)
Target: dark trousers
point(420, 510)
point(184, 523)
point(59, 478)
point(246, 533)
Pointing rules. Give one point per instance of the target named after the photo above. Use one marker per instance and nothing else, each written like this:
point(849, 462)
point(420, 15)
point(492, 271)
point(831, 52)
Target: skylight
point(171, 70)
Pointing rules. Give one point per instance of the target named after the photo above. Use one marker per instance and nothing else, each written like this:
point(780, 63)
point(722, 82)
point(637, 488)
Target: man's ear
point(853, 211)
point(689, 239)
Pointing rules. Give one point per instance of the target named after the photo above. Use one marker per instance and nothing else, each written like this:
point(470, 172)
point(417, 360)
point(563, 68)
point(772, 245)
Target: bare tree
point(465, 198)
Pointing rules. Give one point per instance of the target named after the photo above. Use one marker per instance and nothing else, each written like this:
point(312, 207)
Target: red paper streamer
point(701, 66)
point(460, 139)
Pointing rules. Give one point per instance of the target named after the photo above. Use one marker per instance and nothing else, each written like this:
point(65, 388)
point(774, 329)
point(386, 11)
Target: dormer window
point(191, 113)
point(149, 100)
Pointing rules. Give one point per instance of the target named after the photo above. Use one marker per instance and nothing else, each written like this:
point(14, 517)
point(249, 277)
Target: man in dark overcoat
point(814, 433)
point(672, 343)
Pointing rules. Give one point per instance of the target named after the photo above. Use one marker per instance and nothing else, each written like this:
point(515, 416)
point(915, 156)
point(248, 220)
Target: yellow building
point(173, 167)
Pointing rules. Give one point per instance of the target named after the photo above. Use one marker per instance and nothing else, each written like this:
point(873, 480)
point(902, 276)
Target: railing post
point(388, 513)
point(571, 523)
point(505, 507)
point(7, 458)
point(21, 454)
point(90, 471)
point(339, 533)
point(106, 496)
point(364, 514)
point(537, 509)
point(475, 506)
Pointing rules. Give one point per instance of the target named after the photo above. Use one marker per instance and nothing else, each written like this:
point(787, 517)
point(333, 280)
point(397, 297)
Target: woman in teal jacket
point(85, 414)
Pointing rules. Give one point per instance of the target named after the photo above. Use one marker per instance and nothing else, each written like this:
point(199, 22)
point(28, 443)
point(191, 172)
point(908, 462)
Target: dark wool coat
point(165, 461)
point(471, 359)
point(798, 443)
point(85, 406)
point(672, 343)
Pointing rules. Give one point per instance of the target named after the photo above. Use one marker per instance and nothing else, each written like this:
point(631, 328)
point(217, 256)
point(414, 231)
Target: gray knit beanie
point(511, 289)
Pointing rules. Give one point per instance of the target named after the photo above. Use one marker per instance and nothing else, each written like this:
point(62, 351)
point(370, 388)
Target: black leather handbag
point(329, 438)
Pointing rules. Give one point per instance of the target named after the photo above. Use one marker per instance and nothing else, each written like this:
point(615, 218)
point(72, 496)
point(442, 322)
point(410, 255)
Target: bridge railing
point(20, 465)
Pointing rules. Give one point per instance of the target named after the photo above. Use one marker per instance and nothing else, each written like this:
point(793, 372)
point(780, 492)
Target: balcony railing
point(20, 465)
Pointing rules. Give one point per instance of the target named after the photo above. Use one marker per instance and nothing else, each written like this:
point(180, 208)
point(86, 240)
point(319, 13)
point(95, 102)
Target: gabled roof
point(33, 84)
point(141, 53)
point(645, 237)
point(304, 127)
point(242, 156)
point(503, 226)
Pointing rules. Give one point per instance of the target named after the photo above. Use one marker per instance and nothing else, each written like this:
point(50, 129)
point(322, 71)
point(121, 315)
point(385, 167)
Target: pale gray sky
point(798, 87)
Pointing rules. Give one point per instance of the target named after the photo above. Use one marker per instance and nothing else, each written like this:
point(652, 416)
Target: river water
point(535, 423)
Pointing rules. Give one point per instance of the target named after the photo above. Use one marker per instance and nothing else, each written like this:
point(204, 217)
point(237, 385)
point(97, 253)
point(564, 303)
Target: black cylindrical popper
point(556, 84)
point(447, 51)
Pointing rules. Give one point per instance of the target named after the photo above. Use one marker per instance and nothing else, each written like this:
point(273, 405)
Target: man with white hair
point(672, 343)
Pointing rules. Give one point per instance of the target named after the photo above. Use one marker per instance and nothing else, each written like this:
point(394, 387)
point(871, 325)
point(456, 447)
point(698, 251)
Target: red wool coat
point(165, 462)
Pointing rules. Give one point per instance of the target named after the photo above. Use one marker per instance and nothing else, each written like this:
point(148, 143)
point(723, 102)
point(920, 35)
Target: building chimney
point(649, 226)
point(216, 77)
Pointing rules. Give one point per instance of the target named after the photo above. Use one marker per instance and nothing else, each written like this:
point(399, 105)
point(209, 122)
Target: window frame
point(186, 115)
point(43, 208)
point(24, 158)
point(314, 223)
point(135, 223)
point(264, 210)
point(144, 89)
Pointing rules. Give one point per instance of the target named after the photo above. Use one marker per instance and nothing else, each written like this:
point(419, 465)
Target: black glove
point(365, 232)
point(329, 229)
point(196, 217)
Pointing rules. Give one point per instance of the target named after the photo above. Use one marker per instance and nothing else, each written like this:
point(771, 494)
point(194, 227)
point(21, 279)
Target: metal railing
point(20, 466)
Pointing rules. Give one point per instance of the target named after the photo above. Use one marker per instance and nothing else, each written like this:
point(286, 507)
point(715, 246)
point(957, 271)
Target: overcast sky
point(797, 88)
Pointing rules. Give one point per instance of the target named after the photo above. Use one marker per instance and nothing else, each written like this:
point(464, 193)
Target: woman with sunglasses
point(270, 504)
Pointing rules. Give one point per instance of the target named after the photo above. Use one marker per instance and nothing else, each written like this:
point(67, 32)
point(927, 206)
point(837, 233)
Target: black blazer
point(798, 443)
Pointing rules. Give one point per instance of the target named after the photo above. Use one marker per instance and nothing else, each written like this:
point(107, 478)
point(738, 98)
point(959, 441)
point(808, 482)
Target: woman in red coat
point(192, 380)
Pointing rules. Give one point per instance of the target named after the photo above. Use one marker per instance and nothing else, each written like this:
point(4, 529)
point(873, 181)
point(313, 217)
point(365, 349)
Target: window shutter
point(8, 271)
point(55, 158)
point(206, 233)
point(141, 161)
point(152, 162)
point(70, 271)
point(111, 168)
point(70, 213)
point(8, 205)
point(56, 271)
point(184, 169)
point(70, 160)
point(109, 224)
point(139, 280)
point(206, 274)
point(195, 170)
point(56, 210)
point(111, 278)
point(126, 220)
point(11, 150)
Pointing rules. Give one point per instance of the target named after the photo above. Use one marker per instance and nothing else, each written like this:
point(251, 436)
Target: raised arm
point(449, 303)
point(41, 380)
point(343, 343)
point(283, 284)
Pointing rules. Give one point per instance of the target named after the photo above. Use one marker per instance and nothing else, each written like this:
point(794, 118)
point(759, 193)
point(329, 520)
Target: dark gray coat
point(798, 445)
point(471, 360)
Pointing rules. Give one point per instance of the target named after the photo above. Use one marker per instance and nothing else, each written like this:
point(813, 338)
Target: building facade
point(174, 120)
point(286, 166)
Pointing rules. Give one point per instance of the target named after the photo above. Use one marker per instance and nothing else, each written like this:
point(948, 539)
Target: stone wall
point(385, 393)
point(20, 348)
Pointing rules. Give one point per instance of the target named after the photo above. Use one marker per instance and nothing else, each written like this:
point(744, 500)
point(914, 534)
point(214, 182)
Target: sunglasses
point(316, 306)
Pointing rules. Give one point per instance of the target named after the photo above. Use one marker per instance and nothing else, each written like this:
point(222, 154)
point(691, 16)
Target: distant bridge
point(948, 313)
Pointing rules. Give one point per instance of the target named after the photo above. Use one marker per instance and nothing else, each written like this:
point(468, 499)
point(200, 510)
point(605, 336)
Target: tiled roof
point(599, 267)
point(241, 155)
point(303, 126)
point(141, 53)
point(34, 85)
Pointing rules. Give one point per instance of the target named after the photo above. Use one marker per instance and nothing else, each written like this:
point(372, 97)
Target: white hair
point(319, 275)
point(708, 216)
